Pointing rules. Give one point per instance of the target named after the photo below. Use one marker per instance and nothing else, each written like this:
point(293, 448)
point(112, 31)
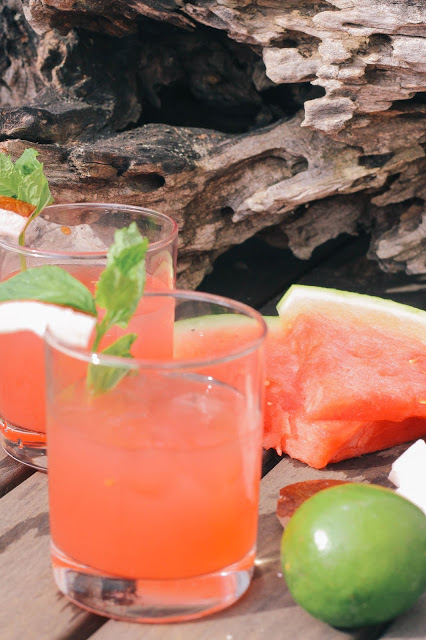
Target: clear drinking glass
point(75, 237)
point(161, 474)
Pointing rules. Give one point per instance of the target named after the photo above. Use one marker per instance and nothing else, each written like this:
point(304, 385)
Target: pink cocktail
point(76, 238)
point(161, 473)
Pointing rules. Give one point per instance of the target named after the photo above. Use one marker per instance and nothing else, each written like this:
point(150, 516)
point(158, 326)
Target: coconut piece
point(70, 326)
point(408, 473)
point(14, 216)
point(11, 224)
point(292, 496)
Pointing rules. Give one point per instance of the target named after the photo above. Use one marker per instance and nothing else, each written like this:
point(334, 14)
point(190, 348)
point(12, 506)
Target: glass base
point(153, 601)
point(28, 447)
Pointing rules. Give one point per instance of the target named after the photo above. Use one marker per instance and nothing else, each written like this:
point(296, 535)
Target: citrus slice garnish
point(14, 216)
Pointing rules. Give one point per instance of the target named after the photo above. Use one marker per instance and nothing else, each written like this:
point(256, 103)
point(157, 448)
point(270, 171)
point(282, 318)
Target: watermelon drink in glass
point(75, 237)
point(161, 473)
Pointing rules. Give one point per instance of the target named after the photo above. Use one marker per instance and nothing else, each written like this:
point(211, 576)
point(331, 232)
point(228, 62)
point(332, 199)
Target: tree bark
point(302, 117)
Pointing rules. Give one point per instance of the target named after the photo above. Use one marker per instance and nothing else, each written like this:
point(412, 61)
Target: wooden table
point(31, 608)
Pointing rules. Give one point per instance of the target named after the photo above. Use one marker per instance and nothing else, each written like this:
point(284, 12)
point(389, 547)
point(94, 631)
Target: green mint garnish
point(118, 291)
point(121, 284)
point(25, 180)
point(101, 378)
point(49, 284)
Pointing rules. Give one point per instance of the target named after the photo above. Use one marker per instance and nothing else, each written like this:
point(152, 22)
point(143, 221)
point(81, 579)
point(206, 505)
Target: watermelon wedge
point(345, 373)
point(358, 375)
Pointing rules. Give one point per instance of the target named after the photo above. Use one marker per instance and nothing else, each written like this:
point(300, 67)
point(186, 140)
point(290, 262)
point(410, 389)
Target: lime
point(355, 554)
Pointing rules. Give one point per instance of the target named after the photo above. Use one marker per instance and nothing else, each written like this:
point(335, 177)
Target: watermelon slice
point(374, 348)
point(358, 375)
point(345, 373)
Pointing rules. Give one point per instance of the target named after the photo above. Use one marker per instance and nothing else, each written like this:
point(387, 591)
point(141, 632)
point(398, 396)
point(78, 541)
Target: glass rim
point(86, 355)
point(90, 255)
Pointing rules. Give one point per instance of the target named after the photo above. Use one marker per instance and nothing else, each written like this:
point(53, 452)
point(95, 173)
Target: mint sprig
point(121, 284)
point(49, 284)
point(101, 378)
point(25, 180)
point(118, 291)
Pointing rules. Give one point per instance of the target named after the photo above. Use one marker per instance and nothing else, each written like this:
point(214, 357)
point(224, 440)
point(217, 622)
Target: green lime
point(355, 554)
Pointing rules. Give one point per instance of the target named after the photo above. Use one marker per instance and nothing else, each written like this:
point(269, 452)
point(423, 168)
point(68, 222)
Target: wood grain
point(303, 114)
point(12, 473)
point(31, 606)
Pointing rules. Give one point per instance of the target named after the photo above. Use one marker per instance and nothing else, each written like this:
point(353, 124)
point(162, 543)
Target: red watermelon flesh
point(365, 373)
point(322, 442)
point(291, 377)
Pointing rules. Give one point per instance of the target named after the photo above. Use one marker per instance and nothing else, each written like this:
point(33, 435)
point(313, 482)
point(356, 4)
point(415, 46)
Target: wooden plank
point(267, 610)
point(31, 606)
point(12, 473)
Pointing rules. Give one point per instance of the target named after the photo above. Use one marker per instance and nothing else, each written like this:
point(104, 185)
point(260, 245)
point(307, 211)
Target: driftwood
point(305, 117)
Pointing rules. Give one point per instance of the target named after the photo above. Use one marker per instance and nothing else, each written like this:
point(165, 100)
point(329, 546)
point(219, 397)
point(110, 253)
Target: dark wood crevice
point(198, 95)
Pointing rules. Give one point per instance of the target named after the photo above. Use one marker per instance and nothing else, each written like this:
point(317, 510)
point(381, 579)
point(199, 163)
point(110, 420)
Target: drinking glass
point(75, 237)
point(154, 485)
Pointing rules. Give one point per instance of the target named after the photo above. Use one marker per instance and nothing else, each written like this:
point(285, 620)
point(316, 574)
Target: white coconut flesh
point(408, 473)
point(11, 224)
point(69, 326)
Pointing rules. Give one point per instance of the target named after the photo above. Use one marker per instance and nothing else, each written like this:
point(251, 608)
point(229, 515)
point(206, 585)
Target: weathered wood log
point(303, 116)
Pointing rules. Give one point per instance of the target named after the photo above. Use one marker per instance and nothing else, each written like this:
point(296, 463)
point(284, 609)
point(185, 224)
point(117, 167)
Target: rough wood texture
point(11, 473)
point(31, 607)
point(306, 116)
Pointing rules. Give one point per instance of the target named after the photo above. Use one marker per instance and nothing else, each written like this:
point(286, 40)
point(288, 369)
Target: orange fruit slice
point(24, 209)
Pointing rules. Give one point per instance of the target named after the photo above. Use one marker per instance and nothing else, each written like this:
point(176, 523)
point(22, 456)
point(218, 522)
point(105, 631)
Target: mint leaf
point(27, 162)
point(118, 291)
point(121, 284)
point(34, 188)
point(8, 180)
point(25, 180)
point(102, 378)
point(49, 284)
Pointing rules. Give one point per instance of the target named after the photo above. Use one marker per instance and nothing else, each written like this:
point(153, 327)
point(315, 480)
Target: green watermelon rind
point(219, 320)
point(215, 324)
point(302, 298)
